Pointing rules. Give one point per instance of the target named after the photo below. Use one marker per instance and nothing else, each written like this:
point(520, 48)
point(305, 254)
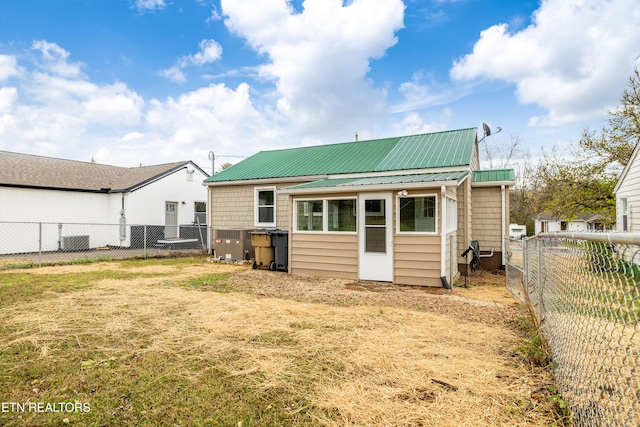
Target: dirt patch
point(481, 302)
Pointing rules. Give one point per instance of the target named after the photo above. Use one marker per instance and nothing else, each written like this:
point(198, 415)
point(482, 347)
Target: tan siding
point(486, 222)
point(417, 260)
point(233, 206)
point(329, 255)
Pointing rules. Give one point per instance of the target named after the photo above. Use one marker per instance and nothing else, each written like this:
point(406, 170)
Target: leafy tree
point(225, 165)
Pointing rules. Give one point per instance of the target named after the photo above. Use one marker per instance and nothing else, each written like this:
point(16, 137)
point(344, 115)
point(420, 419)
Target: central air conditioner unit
point(74, 243)
point(233, 244)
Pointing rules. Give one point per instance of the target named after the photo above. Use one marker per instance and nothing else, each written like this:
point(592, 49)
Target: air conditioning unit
point(74, 243)
point(233, 244)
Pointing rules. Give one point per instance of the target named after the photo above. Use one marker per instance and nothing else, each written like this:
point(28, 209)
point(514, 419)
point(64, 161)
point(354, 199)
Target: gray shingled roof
point(26, 170)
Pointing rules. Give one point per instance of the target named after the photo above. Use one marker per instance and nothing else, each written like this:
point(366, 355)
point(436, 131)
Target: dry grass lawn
point(158, 342)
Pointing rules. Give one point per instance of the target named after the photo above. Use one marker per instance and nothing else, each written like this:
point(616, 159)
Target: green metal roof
point(432, 150)
point(381, 180)
point(493, 175)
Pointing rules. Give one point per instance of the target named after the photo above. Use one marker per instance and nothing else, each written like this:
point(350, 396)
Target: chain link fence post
point(39, 244)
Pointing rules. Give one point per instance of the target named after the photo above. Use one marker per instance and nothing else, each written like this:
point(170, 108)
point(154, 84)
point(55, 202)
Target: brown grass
point(336, 353)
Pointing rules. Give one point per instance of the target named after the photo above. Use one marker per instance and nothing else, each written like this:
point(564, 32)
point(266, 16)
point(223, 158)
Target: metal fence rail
point(43, 242)
point(584, 290)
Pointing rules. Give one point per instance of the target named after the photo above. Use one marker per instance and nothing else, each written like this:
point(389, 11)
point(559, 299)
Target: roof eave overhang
point(266, 181)
point(69, 189)
point(493, 184)
point(373, 187)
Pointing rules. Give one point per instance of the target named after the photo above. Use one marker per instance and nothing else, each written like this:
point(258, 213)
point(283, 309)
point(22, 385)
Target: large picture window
point(417, 214)
point(265, 206)
point(325, 215)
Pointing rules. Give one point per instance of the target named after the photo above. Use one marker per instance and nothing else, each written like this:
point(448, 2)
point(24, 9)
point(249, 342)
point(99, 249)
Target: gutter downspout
point(503, 224)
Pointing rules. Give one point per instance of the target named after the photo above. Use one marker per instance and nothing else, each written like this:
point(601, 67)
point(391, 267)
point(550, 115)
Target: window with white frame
point(452, 215)
point(417, 214)
point(325, 215)
point(341, 215)
point(309, 215)
point(265, 207)
point(625, 214)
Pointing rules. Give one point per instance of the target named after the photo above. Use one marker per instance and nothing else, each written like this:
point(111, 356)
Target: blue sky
point(130, 82)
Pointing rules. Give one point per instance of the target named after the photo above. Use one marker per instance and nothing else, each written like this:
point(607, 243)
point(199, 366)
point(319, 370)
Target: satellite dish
point(487, 131)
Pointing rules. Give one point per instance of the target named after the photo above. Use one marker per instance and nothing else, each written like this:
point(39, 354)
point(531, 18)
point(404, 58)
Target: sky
point(131, 82)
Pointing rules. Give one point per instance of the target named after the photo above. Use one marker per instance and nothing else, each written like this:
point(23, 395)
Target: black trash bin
point(280, 243)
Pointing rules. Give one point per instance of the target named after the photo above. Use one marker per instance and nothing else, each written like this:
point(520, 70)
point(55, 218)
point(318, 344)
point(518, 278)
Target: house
point(587, 222)
point(65, 192)
point(627, 192)
point(399, 209)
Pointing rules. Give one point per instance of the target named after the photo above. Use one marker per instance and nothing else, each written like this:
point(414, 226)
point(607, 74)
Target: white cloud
point(319, 58)
point(149, 5)
point(8, 98)
point(210, 51)
point(174, 74)
point(53, 105)
point(54, 60)
point(573, 60)
point(132, 136)
point(424, 92)
point(8, 67)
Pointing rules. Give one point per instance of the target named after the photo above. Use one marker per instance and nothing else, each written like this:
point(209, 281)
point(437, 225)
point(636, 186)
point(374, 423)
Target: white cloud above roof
point(568, 61)
point(210, 51)
point(319, 58)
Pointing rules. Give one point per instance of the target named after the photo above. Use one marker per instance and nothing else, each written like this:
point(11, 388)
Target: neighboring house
point(50, 190)
point(398, 209)
point(584, 222)
point(627, 192)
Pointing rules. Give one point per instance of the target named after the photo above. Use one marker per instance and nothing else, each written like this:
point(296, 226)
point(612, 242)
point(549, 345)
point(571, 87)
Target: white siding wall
point(146, 205)
point(22, 209)
point(57, 207)
point(29, 205)
point(629, 188)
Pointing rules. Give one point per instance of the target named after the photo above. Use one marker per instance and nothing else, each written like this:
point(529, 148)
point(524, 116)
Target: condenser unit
point(233, 244)
point(74, 243)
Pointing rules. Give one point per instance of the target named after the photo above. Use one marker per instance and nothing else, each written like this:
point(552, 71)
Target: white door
point(375, 237)
point(170, 220)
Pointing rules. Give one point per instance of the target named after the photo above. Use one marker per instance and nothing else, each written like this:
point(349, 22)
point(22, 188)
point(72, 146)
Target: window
point(417, 214)
point(341, 215)
point(309, 215)
point(200, 213)
point(325, 215)
point(265, 206)
point(452, 215)
point(625, 214)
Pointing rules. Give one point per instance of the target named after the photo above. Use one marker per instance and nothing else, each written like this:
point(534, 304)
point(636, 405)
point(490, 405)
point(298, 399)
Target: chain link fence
point(584, 292)
point(43, 242)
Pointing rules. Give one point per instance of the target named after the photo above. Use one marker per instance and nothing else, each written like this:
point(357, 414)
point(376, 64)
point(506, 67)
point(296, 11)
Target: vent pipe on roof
point(356, 136)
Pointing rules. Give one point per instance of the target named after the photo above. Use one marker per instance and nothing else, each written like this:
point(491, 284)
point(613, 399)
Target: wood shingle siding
point(487, 218)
